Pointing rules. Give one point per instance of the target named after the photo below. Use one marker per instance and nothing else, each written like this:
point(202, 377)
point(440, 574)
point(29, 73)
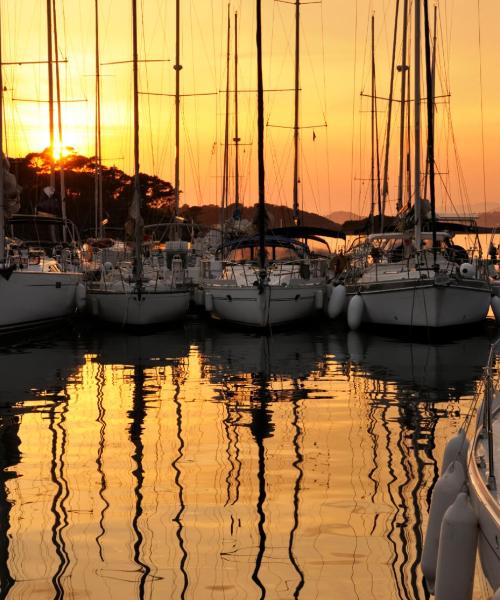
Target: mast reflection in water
point(200, 463)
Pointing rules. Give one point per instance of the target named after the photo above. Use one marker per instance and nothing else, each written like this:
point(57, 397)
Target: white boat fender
point(495, 307)
point(81, 297)
point(447, 488)
point(318, 299)
point(467, 270)
point(336, 302)
point(457, 448)
point(209, 302)
point(457, 551)
point(355, 312)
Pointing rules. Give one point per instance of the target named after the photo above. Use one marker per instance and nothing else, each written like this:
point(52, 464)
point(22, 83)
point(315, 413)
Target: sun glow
point(61, 151)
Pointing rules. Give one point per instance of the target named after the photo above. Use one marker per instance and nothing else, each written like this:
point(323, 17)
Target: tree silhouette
point(33, 174)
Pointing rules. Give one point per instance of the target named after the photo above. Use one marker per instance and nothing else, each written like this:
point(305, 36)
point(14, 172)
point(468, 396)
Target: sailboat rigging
point(237, 208)
point(33, 290)
point(267, 280)
point(98, 207)
point(151, 289)
point(411, 277)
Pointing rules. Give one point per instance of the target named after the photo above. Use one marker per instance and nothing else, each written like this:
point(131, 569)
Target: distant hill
point(341, 216)
point(489, 219)
point(351, 221)
point(278, 216)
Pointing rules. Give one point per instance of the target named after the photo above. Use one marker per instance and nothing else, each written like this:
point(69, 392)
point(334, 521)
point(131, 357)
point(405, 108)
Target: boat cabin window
point(39, 232)
point(251, 253)
point(320, 247)
point(392, 249)
point(242, 255)
point(427, 244)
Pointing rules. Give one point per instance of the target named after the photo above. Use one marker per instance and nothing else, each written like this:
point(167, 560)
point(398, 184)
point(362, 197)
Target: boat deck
point(482, 450)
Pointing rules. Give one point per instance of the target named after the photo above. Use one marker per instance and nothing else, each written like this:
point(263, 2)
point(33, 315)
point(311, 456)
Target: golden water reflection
point(203, 463)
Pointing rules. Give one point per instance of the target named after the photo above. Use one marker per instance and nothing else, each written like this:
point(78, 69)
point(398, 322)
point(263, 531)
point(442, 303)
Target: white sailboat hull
point(129, 308)
point(489, 529)
point(274, 305)
point(29, 299)
point(485, 500)
point(423, 303)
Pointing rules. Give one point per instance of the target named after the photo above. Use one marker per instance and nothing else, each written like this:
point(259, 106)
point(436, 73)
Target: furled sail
point(11, 189)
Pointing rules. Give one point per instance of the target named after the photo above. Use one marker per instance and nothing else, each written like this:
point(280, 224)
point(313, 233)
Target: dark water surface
point(204, 463)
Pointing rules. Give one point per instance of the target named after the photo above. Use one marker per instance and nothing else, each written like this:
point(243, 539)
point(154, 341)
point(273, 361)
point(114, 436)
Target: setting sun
point(62, 151)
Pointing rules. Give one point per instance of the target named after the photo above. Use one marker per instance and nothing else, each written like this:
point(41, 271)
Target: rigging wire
point(149, 98)
point(354, 98)
point(483, 158)
point(320, 93)
point(325, 111)
point(217, 102)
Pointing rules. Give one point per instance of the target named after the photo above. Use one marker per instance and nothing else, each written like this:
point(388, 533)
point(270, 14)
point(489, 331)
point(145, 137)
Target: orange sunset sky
point(335, 69)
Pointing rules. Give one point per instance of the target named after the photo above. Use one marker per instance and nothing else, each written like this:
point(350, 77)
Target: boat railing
point(32, 258)
point(155, 275)
point(278, 272)
point(319, 267)
point(241, 274)
point(211, 268)
point(113, 255)
point(489, 407)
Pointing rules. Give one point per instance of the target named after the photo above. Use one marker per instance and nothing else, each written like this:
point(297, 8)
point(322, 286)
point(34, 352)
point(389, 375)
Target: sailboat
point(413, 277)
point(484, 475)
point(266, 280)
point(33, 289)
point(464, 516)
point(143, 291)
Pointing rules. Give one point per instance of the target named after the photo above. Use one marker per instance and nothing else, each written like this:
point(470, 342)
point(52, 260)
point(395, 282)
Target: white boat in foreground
point(464, 515)
point(484, 478)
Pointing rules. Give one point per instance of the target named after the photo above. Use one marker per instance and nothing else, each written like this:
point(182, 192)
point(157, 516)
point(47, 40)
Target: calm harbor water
point(202, 463)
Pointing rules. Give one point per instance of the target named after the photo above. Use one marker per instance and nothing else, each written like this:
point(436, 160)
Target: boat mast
point(260, 150)
point(418, 224)
point(59, 128)
point(430, 125)
point(375, 160)
point(177, 68)
point(296, 218)
point(385, 186)
point(51, 93)
point(237, 210)
point(403, 68)
point(97, 174)
point(2, 191)
point(373, 108)
point(137, 187)
point(225, 171)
